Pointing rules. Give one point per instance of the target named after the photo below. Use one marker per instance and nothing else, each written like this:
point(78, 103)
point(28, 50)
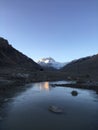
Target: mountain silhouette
point(86, 67)
point(10, 57)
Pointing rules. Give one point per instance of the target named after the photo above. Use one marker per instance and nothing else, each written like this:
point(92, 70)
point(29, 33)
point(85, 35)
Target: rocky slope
point(15, 66)
point(10, 57)
point(85, 67)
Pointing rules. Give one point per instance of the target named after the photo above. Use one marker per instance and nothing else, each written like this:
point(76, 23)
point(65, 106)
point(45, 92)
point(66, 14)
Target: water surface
point(28, 109)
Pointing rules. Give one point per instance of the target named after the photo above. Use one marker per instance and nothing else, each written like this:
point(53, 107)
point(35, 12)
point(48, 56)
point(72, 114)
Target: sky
point(62, 29)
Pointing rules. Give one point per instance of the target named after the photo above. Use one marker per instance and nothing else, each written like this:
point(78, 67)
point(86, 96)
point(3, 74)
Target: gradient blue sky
point(62, 29)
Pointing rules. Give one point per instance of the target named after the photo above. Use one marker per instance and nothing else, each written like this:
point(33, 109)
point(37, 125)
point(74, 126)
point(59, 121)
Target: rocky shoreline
point(11, 79)
point(86, 85)
point(16, 79)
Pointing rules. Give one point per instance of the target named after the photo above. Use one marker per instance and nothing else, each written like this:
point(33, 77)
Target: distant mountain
point(10, 57)
point(85, 67)
point(50, 62)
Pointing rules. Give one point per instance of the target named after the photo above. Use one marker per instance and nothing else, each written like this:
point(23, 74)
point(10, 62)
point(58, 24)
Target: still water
point(29, 109)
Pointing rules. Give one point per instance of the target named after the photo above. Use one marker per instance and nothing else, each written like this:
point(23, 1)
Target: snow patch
point(50, 62)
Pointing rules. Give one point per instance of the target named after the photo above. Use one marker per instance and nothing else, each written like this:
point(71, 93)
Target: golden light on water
point(44, 86)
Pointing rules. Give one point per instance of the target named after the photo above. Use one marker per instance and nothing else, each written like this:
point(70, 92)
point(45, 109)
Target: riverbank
point(12, 78)
point(87, 85)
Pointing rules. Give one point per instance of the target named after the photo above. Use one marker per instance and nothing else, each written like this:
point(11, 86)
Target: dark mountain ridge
point(86, 67)
point(10, 57)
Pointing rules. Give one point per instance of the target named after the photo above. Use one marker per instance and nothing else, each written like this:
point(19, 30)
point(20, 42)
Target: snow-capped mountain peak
point(46, 60)
point(50, 62)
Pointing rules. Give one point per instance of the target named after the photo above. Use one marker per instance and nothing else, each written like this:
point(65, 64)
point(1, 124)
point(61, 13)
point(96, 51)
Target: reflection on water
point(44, 86)
point(28, 110)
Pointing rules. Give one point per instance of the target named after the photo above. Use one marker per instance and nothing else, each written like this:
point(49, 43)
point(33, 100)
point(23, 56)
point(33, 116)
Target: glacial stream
point(28, 109)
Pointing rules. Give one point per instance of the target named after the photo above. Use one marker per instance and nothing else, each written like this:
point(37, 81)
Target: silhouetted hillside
point(86, 67)
point(10, 57)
